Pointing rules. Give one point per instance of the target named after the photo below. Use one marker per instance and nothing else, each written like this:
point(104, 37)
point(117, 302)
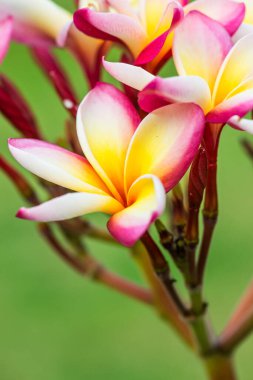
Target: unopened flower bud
point(15, 108)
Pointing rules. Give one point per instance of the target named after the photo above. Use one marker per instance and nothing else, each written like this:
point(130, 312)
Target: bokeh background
point(57, 325)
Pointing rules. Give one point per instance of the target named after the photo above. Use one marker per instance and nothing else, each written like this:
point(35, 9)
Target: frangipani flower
point(35, 22)
point(42, 23)
point(145, 26)
point(126, 170)
point(5, 36)
point(142, 26)
point(213, 73)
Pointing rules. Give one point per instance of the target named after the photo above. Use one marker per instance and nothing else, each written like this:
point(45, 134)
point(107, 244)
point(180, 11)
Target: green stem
point(200, 323)
point(220, 367)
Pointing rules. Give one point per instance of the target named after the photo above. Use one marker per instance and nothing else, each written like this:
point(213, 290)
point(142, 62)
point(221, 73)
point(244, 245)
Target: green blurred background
point(56, 325)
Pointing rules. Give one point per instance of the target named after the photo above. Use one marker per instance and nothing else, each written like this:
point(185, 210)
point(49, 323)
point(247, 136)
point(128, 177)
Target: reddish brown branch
point(241, 321)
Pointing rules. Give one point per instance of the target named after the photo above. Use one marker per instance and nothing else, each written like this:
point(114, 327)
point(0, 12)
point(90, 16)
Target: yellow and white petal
point(200, 46)
point(165, 144)
point(236, 68)
point(152, 13)
point(106, 122)
point(70, 206)
point(146, 202)
point(56, 165)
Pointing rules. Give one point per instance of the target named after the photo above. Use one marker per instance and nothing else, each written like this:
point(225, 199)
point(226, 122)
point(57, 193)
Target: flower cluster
point(131, 147)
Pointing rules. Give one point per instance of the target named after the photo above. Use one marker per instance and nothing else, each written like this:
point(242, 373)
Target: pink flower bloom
point(145, 27)
point(126, 170)
point(212, 72)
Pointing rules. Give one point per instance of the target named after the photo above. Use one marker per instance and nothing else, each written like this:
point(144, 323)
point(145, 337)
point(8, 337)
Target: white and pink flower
point(128, 166)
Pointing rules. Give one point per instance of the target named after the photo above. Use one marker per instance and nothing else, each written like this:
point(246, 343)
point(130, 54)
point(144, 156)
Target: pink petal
point(200, 46)
point(70, 206)
point(147, 200)
point(111, 26)
point(166, 141)
point(184, 89)
point(6, 27)
point(229, 13)
point(106, 121)
point(56, 165)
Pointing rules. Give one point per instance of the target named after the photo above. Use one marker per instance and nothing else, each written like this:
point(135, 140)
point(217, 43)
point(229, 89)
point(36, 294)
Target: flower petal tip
point(124, 235)
point(23, 214)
